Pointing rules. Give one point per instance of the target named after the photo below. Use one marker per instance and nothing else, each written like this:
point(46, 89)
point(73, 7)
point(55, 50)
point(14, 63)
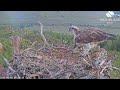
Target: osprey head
point(73, 28)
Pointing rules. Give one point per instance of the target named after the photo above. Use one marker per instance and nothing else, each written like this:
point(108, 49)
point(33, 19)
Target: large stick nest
point(61, 63)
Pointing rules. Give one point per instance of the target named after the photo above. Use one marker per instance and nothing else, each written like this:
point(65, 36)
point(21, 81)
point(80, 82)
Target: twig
point(56, 73)
point(116, 68)
point(6, 61)
point(33, 44)
point(9, 67)
point(102, 63)
point(41, 27)
point(25, 50)
point(30, 47)
point(85, 61)
point(98, 74)
point(46, 69)
point(68, 75)
point(103, 70)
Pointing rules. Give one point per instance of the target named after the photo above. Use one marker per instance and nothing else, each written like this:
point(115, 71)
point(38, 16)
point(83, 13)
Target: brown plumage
point(90, 35)
point(89, 38)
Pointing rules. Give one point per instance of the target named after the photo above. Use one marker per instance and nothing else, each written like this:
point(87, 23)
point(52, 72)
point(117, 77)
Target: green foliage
point(25, 43)
point(55, 37)
point(7, 50)
point(115, 74)
point(112, 44)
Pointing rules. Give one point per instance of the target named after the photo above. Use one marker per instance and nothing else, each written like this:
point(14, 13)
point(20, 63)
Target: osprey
point(90, 37)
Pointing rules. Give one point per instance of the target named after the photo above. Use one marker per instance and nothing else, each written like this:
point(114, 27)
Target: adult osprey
point(90, 36)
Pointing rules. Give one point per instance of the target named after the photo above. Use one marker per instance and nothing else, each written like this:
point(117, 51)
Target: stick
point(56, 73)
point(33, 44)
point(6, 61)
point(9, 67)
point(30, 47)
point(102, 63)
point(25, 50)
point(41, 32)
point(116, 68)
point(68, 75)
point(85, 61)
point(103, 70)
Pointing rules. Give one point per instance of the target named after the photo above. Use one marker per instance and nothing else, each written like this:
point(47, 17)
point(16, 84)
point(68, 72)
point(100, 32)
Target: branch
point(6, 61)
point(103, 70)
point(116, 68)
point(85, 60)
point(102, 63)
point(68, 75)
point(33, 44)
point(41, 32)
point(9, 67)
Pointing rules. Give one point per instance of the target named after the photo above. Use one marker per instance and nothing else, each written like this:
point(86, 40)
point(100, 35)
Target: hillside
point(51, 17)
point(59, 18)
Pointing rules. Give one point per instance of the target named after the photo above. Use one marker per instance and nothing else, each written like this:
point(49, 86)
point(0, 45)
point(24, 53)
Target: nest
point(61, 63)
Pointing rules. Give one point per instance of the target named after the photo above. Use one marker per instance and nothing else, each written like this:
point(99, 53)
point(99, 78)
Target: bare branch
point(103, 70)
point(6, 61)
point(41, 32)
point(33, 44)
point(85, 61)
point(10, 68)
point(116, 68)
point(68, 75)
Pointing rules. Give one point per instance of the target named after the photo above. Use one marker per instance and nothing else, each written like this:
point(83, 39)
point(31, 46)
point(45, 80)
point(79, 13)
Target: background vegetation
point(53, 36)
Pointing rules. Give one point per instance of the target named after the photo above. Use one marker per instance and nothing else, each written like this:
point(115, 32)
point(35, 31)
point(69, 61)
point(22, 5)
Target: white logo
point(110, 14)
point(109, 18)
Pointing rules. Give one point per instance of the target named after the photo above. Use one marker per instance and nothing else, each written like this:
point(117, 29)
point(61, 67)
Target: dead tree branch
point(116, 68)
point(9, 67)
point(33, 44)
point(41, 32)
